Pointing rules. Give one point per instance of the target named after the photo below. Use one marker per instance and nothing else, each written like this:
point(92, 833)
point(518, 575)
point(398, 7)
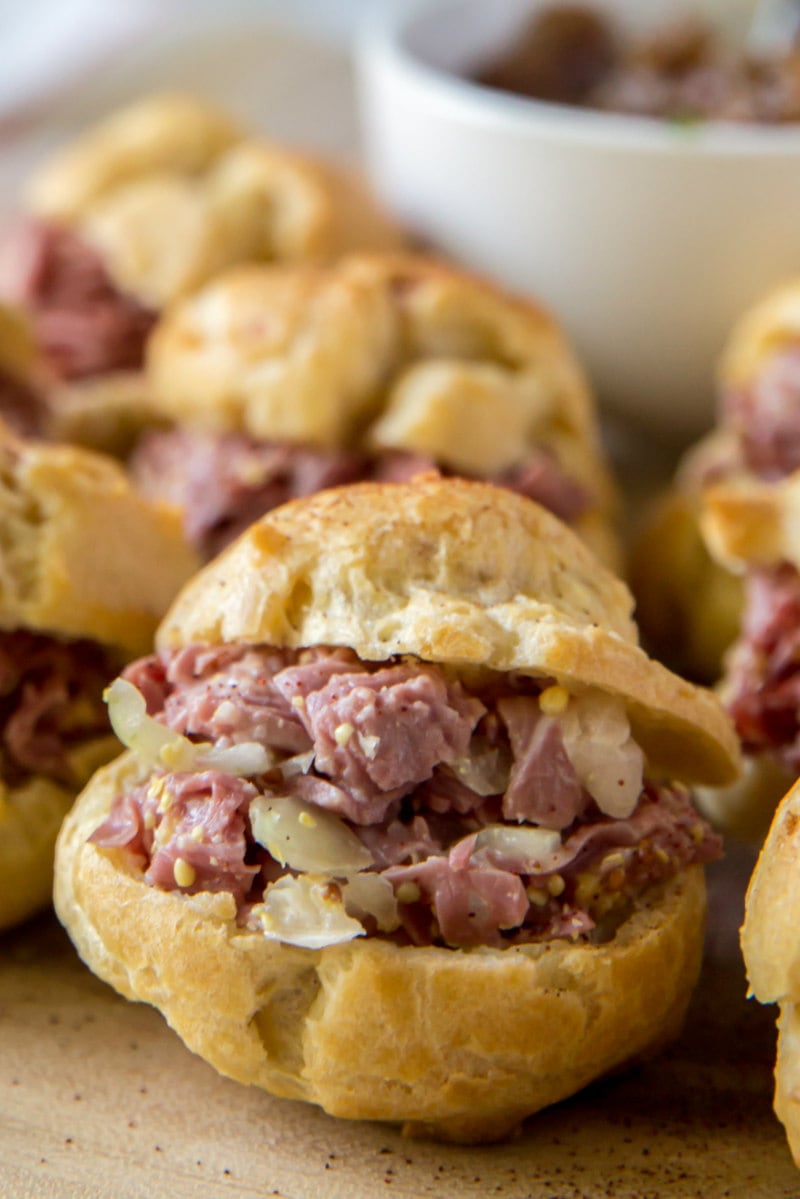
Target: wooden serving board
point(100, 1100)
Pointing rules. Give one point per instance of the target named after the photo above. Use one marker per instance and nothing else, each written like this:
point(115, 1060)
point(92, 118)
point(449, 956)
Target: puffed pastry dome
point(418, 637)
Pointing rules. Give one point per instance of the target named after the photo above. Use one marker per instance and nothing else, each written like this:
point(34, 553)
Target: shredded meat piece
point(51, 699)
point(386, 744)
point(223, 482)
point(766, 416)
point(763, 678)
point(84, 325)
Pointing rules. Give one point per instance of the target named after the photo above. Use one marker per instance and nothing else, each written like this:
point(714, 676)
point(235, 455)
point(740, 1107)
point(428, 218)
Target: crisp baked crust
point(750, 523)
point(384, 352)
point(763, 329)
point(459, 1045)
point(688, 606)
point(163, 131)
point(455, 572)
point(769, 933)
point(81, 553)
point(770, 947)
point(171, 191)
point(787, 1075)
point(30, 817)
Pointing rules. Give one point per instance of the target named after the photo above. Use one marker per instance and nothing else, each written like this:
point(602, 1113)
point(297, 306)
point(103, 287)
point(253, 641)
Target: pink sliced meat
point(541, 478)
point(239, 703)
point(392, 745)
point(51, 699)
point(381, 734)
point(84, 325)
point(471, 906)
point(197, 820)
point(543, 788)
point(222, 483)
point(766, 416)
point(763, 683)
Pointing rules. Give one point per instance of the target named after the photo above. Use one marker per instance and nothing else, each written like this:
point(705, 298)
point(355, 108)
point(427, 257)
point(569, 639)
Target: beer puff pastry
point(386, 356)
point(716, 569)
point(86, 570)
point(144, 208)
point(769, 944)
point(441, 576)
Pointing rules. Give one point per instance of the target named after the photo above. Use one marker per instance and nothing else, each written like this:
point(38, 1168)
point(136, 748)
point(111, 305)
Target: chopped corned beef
point(51, 699)
point(765, 415)
point(416, 765)
point(84, 325)
point(763, 677)
point(224, 482)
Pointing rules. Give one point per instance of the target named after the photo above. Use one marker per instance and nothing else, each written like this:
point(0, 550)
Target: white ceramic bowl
point(647, 239)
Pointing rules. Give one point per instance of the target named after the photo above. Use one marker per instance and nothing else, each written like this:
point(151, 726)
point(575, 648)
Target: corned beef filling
point(766, 416)
point(763, 677)
point(223, 482)
point(437, 791)
point(51, 700)
point(83, 324)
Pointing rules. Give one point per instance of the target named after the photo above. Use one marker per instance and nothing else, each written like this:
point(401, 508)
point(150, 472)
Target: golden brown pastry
point(283, 381)
point(715, 572)
point(769, 944)
point(86, 569)
point(688, 603)
point(145, 207)
point(395, 802)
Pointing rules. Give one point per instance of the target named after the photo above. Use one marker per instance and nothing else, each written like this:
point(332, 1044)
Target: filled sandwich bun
point(689, 605)
point(402, 829)
point(752, 529)
point(143, 208)
point(769, 944)
point(86, 570)
point(279, 382)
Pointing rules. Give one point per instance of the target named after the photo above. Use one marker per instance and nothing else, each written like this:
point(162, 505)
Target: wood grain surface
point(100, 1100)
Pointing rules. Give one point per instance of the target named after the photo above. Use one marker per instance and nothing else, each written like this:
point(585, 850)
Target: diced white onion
point(521, 842)
point(158, 745)
point(305, 911)
point(371, 894)
point(304, 837)
point(299, 764)
point(485, 771)
point(606, 759)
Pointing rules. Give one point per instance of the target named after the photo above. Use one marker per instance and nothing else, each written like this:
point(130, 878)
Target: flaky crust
point(163, 131)
point(383, 352)
point(81, 553)
point(171, 191)
point(772, 954)
point(454, 572)
point(460, 1045)
point(750, 523)
point(688, 606)
point(769, 325)
point(30, 817)
point(772, 908)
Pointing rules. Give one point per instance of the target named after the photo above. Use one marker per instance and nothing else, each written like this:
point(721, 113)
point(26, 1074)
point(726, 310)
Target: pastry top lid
point(455, 572)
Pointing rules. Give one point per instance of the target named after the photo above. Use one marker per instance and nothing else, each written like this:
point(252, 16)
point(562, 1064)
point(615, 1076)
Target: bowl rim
point(384, 44)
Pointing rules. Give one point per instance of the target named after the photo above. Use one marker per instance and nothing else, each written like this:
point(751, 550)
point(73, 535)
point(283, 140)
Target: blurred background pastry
point(280, 381)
